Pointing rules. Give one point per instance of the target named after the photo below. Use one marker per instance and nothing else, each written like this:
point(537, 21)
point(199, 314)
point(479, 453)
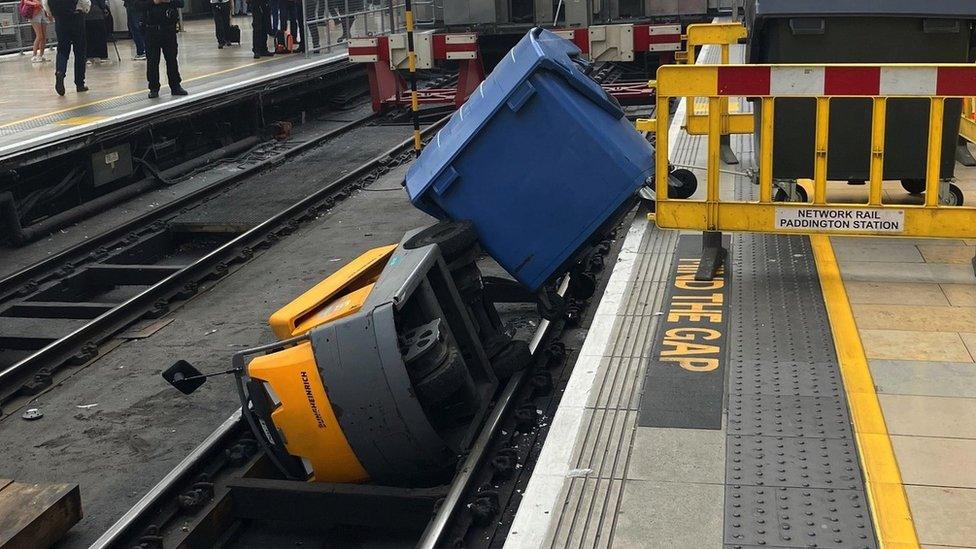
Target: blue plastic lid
point(540, 49)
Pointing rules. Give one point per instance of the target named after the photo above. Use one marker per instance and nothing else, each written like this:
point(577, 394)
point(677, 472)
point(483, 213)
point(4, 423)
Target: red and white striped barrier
point(822, 81)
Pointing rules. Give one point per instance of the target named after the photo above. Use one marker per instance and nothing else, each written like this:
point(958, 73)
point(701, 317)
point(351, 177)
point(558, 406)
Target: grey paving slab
point(932, 273)
point(908, 377)
point(678, 455)
point(847, 249)
point(588, 504)
point(669, 514)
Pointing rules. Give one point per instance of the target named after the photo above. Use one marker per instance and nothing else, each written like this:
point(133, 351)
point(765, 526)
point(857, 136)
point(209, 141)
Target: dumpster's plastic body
point(860, 31)
point(539, 159)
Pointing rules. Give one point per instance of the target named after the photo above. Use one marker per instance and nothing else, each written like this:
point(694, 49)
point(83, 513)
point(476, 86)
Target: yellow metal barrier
point(820, 83)
point(967, 129)
point(723, 35)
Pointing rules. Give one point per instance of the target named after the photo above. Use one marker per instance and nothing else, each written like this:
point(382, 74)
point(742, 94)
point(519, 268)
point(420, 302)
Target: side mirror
point(184, 377)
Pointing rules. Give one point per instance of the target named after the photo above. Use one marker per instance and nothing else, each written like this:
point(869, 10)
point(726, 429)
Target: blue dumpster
point(540, 159)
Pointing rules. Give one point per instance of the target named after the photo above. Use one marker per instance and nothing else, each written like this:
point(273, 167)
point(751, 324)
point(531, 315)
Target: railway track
point(59, 310)
point(226, 493)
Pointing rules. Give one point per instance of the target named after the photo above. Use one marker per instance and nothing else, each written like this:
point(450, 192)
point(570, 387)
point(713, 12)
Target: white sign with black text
point(840, 220)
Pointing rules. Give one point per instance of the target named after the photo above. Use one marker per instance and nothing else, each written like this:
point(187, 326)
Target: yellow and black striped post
point(412, 66)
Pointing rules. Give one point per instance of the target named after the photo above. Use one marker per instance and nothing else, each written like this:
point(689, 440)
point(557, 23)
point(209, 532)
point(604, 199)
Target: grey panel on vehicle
point(792, 471)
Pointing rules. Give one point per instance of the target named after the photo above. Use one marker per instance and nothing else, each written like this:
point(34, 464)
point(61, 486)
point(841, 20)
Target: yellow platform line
point(127, 94)
point(887, 499)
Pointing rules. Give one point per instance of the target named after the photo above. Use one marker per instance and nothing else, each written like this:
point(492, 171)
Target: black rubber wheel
point(955, 197)
point(512, 357)
point(913, 186)
point(781, 195)
point(686, 186)
point(443, 381)
point(452, 237)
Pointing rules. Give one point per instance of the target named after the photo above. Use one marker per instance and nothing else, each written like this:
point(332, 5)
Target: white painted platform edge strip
point(538, 513)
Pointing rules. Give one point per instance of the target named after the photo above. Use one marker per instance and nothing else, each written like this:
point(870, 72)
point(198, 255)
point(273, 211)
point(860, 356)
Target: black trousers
point(221, 17)
point(260, 23)
point(161, 41)
point(71, 34)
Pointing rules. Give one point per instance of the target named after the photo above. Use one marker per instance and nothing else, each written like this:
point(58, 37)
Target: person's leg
point(226, 20)
point(43, 38)
point(218, 23)
point(63, 48)
point(153, 50)
point(259, 40)
point(134, 19)
point(170, 52)
point(313, 25)
point(81, 51)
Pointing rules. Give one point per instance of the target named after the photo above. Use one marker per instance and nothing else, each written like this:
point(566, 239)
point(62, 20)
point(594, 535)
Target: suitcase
point(235, 35)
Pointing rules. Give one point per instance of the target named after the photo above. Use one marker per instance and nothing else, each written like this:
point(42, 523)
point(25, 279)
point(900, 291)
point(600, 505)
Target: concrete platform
point(772, 456)
point(32, 114)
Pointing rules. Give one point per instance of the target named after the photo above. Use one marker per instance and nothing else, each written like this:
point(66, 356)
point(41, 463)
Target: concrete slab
point(678, 455)
point(944, 516)
point(915, 318)
point(904, 377)
point(670, 514)
point(907, 345)
point(904, 293)
point(928, 416)
point(935, 461)
point(960, 295)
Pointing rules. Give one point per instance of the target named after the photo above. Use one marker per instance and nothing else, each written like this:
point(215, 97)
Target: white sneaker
point(35, 59)
point(44, 59)
point(139, 57)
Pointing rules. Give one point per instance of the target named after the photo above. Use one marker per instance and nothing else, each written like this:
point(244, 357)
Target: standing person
point(288, 23)
point(221, 17)
point(33, 11)
point(260, 27)
point(240, 7)
point(96, 34)
point(69, 24)
point(160, 21)
point(134, 14)
point(341, 9)
point(317, 11)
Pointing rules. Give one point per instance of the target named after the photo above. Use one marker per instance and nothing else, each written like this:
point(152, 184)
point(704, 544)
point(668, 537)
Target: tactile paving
point(800, 462)
point(797, 517)
point(792, 470)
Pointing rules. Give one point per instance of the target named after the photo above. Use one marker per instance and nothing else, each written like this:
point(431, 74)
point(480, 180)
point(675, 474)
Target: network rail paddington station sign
point(840, 220)
point(685, 382)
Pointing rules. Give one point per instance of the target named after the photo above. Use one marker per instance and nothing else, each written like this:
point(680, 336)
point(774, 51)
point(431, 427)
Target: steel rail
point(434, 533)
point(11, 282)
point(436, 528)
point(131, 310)
point(165, 486)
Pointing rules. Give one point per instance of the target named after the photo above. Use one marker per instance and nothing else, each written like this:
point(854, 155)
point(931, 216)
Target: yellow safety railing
point(723, 35)
point(967, 128)
point(820, 83)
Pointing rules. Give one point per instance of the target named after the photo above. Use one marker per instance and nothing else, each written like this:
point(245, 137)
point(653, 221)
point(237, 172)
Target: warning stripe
point(848, 80)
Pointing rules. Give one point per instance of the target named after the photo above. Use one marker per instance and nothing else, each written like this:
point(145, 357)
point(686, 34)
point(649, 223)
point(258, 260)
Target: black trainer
point(153, 94)
point(178, 90)
point(59, 83)
point(81, 88)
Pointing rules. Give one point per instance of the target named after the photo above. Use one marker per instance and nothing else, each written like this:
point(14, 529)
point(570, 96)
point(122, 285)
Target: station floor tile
point(907, 345)
point(960, 295)
point(936, 461)
point(892, 271)
point(904, 293)
point(678, 455)
point(906, 377)
point(944, 516)
point(846, 249)
point(970, 340)
point(915, 318)
point(935, 253)
point(928, 416)
point(670, 514)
